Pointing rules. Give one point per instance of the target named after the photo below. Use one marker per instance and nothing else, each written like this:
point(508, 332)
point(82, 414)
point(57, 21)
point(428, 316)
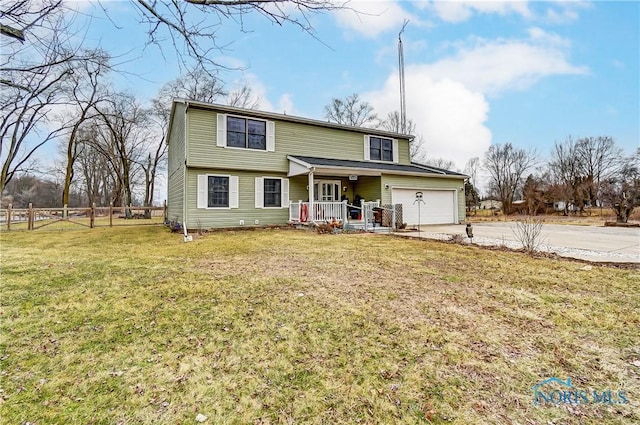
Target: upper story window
point(245, 133)
point(380, 149)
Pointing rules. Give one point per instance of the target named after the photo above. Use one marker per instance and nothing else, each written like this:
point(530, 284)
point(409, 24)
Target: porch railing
point(321, 211)
point(347, 214)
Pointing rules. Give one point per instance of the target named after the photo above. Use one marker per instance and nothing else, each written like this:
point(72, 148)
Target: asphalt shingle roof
point(414, 168)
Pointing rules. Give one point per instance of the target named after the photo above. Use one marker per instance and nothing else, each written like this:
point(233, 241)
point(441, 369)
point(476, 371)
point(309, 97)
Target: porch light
point(386, 186)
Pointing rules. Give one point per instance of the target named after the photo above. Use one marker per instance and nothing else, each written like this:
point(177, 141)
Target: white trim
point(269, 133)
point(394, 149)
point(367, 147)
point(396, 155)
point(331, 182)
point(456, 212)
point(289, 118)
point(233, 203)
point(259, 192)
point(234, 189)
point(298, 161)
point(202, 188)
point(271, 136)
point(284, 193)
point(184, 168)
point(343, 170)
point(221, 131)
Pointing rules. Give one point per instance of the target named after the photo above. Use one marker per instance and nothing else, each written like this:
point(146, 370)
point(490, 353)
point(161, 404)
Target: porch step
point(370, 228)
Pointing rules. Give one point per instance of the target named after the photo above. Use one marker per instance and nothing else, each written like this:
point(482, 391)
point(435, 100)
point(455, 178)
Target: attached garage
point(439, 206)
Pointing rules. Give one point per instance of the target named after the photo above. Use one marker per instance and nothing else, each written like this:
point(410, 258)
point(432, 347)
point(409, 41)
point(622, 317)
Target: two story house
point(232, 167)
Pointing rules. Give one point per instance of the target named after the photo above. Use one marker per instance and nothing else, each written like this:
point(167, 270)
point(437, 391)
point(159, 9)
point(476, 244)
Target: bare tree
point(351, 111)
point(198, 36)
point(506, 165)
point(123, 140)
point(393, 123)
point(196, 84)
point(599, 158)
point(37, 60)
point(471, 169)
point(243, 96)
point(96, 177)
point(579, 168)
point(84, 94)
point(445, 164)
point(622, 190)
point(564, 167)
point(26, 112)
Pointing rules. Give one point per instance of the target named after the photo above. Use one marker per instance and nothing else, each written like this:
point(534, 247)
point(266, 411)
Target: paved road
point(593, 243)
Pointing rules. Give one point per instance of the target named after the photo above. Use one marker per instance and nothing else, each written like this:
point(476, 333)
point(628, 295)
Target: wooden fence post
point(164, 213)
point(65, 213)
point(92, 215)
point(9, 217)
point(110, 214)
point(30, 217)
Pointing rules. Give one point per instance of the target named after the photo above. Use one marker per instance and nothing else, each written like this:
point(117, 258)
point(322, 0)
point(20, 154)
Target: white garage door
point(439, 206)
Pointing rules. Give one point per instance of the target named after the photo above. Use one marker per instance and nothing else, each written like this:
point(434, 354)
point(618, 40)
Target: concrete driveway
point(593, 243)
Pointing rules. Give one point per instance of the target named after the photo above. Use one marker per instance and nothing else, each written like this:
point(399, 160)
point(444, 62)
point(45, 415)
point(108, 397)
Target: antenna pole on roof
point(403, 104)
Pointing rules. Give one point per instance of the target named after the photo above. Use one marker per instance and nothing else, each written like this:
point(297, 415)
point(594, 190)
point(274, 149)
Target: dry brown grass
point(294, 327)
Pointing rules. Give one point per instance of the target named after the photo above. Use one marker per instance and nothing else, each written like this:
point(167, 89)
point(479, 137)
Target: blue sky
point(477, 72)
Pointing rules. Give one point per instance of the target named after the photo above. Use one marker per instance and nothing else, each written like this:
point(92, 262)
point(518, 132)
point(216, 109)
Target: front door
point(326, 190)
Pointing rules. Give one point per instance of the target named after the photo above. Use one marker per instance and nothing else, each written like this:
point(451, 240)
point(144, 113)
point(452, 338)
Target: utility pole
point(403, 103)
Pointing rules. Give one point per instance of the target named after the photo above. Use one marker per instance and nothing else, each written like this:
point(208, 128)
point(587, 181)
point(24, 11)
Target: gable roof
point(391, 168)
point(289, 118)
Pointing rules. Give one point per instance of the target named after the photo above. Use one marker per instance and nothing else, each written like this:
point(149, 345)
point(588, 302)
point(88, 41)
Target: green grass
point(133, 326)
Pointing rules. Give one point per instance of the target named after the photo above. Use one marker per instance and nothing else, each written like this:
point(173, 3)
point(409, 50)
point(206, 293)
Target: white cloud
point(285, 105)
point(259, 91)
point(449, 116)
point(448, 99)
point(491, 67)
point(371, 18)
point(462, 10)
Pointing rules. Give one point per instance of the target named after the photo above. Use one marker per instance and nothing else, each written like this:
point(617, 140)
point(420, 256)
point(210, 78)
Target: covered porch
point(345, 196)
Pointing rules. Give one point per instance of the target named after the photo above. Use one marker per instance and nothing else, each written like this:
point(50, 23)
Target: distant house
point(232, 167)
point(489, 204)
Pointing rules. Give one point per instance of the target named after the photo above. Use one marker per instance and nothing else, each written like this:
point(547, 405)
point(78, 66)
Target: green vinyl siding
point(369, 188)
point(176, 167)
point(230, 217)
point(403, 152)
point(291, 138)
point(424, 183)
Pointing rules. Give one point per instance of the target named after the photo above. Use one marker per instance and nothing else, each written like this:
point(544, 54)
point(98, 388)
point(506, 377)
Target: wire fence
point(66, 218)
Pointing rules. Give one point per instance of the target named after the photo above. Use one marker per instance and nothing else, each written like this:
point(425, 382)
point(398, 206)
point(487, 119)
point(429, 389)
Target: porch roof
point(303, 164)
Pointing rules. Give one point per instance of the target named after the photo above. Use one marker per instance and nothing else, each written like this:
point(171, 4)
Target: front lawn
point(133, 326)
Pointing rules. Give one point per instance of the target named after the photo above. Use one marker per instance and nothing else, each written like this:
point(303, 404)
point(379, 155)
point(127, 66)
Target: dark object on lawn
point(469, 230)
point(175, 226)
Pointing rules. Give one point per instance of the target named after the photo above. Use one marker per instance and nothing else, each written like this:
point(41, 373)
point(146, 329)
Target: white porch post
point(312, 214)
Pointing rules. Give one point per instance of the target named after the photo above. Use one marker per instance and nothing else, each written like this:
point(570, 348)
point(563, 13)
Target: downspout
point(186, 168)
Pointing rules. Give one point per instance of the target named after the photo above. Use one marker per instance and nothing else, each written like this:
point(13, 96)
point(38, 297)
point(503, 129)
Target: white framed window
point(245, 133)
point(382, 149)
point(327, 190)
point(217, 191)
point(271, 192)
